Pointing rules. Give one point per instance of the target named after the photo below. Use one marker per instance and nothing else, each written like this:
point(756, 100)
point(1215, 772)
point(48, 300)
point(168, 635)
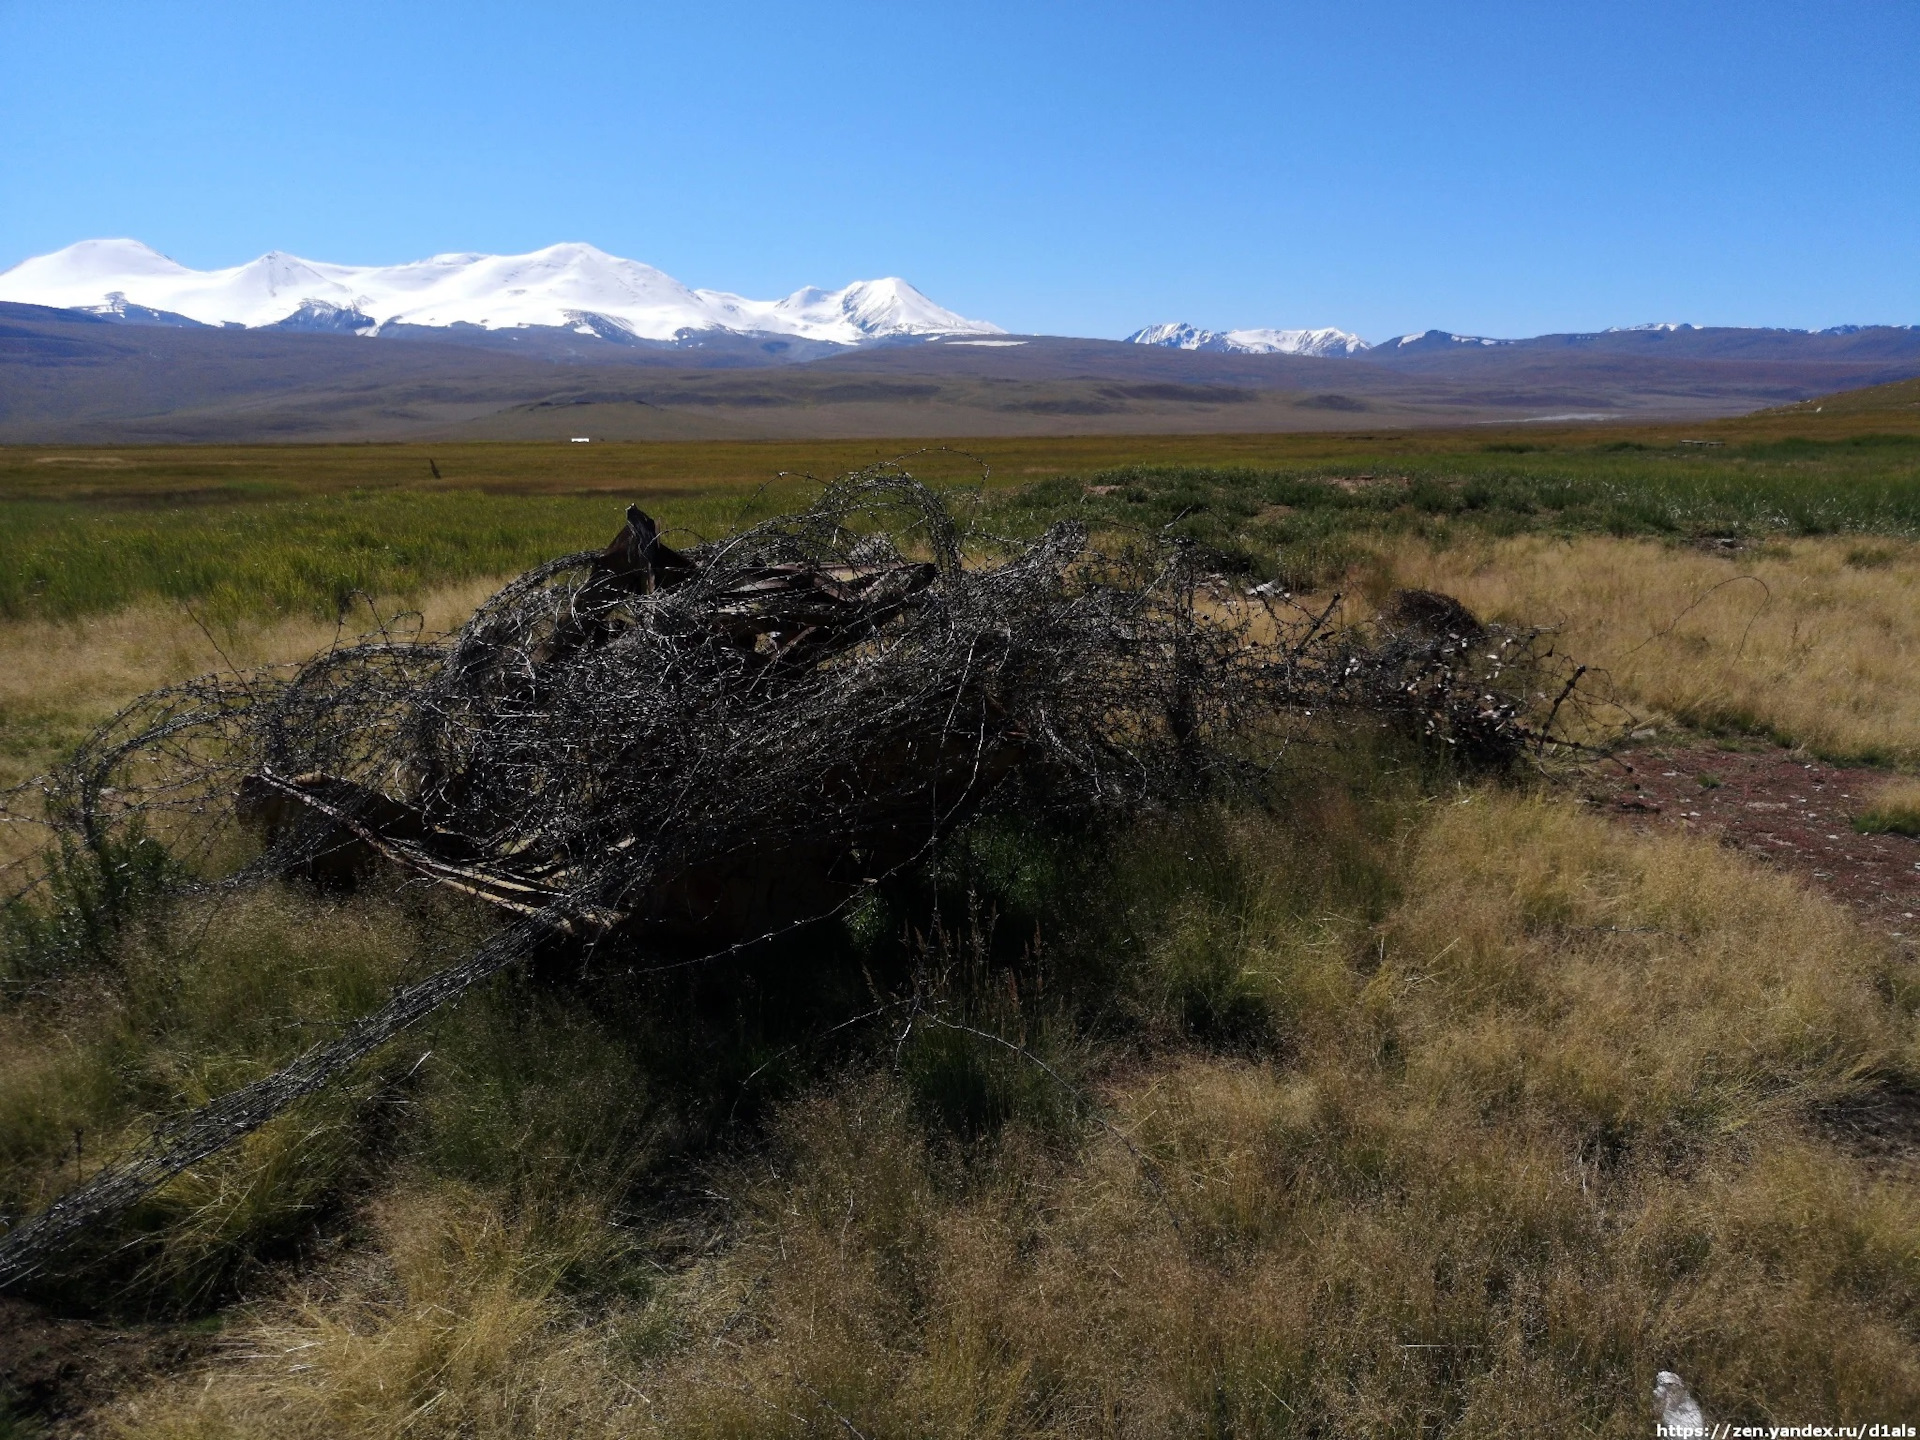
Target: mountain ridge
point(1179, 335)
point(71, 378)
point(1328, 341)
point(569, 286)
point(576, 289)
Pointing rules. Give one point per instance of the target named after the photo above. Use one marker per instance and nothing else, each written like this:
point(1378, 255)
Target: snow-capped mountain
point(1181, 336)
point(1437, 340)
point(572, 285)
point(1324, 341)
point(1176, 335)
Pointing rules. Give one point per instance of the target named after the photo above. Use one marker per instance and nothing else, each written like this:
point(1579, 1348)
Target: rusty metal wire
point(681, 754)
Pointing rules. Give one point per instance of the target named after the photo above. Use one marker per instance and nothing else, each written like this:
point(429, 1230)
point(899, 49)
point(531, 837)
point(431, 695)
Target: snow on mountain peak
point(1175, 335)
point(90, 274)
point(870, 309)
point(572, 284)
point(1323, 341)
point(1438, 339)
point(1179, 335)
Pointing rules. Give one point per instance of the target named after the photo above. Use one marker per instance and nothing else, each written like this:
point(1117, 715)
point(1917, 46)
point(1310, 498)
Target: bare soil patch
point(1789, 810)
point(57, 1371)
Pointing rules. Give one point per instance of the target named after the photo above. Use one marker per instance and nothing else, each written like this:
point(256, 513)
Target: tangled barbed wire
point(682, 753)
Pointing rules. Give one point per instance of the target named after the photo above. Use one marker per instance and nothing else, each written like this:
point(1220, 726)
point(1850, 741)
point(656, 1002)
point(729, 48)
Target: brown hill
point(70, 378)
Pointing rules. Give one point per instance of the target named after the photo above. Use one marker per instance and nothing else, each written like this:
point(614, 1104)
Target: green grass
point(66, 559)
point(308, 555)
point(286, 540)
point(1895, 810)
point(1303, 524)
point(164, 1009)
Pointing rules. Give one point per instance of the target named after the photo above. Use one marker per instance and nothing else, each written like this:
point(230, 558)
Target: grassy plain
point(279, 529)
point(1405, 1103)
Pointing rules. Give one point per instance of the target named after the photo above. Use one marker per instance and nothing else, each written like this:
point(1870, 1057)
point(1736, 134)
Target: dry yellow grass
point(61, 672)
point(451, 1327)
point(58, 679)
point(1545, 1131)
point(1547, 1127)
point(1818, 653)
point(1810, 642)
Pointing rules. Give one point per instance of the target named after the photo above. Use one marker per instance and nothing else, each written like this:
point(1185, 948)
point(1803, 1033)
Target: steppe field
point(1402, 1098)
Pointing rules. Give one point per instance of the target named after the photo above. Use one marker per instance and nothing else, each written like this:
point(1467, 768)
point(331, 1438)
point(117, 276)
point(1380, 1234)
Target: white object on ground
point(1674, 1407)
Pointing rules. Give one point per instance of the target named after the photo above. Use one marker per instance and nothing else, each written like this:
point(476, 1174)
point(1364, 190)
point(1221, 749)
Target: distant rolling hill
point(70, 377)
point(1901, 398)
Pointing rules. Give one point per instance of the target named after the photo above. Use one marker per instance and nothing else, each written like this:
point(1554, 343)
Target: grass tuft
point(74, 919)
point(203, 998)
point(1894, 810)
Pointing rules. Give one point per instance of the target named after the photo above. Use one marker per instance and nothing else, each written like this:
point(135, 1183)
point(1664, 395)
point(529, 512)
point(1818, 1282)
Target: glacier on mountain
point(572, 285)
point(1179, 335)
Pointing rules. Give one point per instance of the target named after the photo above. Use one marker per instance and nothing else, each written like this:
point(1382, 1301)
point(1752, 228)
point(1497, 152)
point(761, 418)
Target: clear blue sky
point(1381, 165)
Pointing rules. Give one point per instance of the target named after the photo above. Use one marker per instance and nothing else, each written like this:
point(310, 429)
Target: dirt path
point(1797, 814)
point(1791, 811)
